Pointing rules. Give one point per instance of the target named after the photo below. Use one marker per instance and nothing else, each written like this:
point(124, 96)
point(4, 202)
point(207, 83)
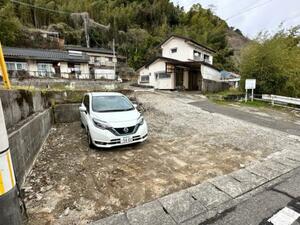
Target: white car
point(110, 119)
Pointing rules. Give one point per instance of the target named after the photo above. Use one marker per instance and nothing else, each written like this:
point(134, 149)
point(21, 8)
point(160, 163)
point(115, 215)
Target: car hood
point(118, 119)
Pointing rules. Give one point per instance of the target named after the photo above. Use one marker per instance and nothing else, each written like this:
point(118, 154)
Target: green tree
point(9, 25)
point(137, 25)
point(274, 61)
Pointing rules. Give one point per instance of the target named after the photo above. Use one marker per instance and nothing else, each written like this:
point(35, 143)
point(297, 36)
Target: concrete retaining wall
point(211, 86)
point(72, 84)
point(20, 104)
point(26, 141)
point(29, 117)
point(66, 113)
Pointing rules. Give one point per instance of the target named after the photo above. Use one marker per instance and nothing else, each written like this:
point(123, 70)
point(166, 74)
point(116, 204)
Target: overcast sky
point(255, 15)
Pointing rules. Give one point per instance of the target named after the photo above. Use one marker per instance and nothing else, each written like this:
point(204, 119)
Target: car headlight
point(140, 120)
point(101, 124)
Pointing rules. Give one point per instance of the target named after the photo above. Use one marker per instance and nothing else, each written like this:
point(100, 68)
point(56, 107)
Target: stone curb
point(205, 201)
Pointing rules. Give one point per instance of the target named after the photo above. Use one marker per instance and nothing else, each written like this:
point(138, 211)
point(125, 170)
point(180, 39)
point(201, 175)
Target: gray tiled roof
point(42, 54)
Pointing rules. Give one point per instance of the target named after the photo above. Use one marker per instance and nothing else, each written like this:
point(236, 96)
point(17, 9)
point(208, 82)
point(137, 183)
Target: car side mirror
point(135, 105)
point(82, 109)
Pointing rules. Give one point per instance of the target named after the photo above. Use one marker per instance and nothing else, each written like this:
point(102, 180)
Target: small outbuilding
point(232, 78)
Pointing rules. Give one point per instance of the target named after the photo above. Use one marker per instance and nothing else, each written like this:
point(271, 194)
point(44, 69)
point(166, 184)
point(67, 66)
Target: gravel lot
point(71, 184)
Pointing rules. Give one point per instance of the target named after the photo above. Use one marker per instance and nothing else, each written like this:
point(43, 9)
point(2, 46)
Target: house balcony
point(100, 64)
point(201, 59)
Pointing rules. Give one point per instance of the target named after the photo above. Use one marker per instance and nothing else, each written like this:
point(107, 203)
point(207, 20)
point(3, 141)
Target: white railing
point(281, 99)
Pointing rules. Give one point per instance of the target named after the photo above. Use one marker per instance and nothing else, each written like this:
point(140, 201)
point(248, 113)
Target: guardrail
point(281, 99)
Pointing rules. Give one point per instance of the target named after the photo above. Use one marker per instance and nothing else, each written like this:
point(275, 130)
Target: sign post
point(9, 203)
point(250, 84)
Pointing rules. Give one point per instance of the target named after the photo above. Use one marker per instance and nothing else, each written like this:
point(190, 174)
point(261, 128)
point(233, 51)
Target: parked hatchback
point(110, 119)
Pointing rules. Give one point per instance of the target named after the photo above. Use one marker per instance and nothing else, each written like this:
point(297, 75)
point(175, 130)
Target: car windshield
point(111, 104)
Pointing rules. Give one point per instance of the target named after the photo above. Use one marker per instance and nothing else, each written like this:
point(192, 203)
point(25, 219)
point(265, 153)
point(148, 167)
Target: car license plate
point(126, 140)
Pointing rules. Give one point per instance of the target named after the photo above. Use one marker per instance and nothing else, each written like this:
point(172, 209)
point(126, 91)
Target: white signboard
point(250, 84)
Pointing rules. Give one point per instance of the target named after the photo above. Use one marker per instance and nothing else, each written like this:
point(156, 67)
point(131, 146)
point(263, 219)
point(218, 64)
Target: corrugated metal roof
point(85, 49)
point(227, 75)
point(43, 54)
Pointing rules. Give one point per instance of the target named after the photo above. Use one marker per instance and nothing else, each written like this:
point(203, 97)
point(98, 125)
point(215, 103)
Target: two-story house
point(184, 64)
point(102, 62)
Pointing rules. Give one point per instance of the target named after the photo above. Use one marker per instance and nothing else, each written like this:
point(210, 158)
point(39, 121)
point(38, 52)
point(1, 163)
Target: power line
point(230, 6)
point(83, 15)
point(248, 9)
point(292, 17)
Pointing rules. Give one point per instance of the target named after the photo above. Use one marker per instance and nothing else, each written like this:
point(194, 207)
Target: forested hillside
point(138, 26)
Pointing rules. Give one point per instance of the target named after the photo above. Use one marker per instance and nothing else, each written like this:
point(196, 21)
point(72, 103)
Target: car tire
point(91, 144)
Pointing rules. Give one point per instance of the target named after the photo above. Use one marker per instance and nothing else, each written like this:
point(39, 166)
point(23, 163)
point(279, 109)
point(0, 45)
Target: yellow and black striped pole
point(10, 213)
point(3, 70)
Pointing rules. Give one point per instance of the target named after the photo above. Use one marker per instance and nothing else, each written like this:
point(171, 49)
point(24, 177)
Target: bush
point(274, 61)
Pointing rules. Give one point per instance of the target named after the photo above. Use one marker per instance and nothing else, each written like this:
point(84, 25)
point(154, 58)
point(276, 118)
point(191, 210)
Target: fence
point(22, 74)
point(281, 99)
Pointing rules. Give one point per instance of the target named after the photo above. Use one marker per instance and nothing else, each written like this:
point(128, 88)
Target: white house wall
point(163, 83)
point(32, 68)
point(185, 51)
point(64, 71)
point(145, 72)
point(84, 68)
point(210, 73)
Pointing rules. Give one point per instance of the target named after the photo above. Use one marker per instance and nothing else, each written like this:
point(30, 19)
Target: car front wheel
point(91, 144)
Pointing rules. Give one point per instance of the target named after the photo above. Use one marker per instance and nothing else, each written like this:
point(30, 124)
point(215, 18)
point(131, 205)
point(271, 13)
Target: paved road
point(280, 125)
point(260, 208)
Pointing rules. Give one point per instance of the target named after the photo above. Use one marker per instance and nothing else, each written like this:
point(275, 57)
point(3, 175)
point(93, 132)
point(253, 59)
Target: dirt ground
point(71, 184)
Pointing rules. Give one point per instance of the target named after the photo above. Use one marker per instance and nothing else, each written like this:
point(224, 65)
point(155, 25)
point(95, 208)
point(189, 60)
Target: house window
point(45, 69)
point(197, 55)
point(206, 58)
point(12, 66)
point(173, 50)
point(74, 68)
point(145, 79)
point(162, 75)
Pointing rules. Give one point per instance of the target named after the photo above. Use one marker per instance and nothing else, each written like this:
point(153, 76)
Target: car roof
point(106, 94)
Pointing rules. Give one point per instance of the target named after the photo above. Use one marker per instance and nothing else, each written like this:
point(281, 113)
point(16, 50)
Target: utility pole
point(9, 203)
point(87, 23)
point(114, 58)
point(85, 17)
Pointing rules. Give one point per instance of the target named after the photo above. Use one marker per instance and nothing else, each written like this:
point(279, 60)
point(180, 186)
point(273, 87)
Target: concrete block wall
point(20, 104)
point(66, 113)
point(211, 86)
point(26, 142)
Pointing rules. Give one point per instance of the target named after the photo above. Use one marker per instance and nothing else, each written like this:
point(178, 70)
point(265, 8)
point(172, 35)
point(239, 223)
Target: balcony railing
point(201, 59)
point(98, 63)
point(21, 75)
